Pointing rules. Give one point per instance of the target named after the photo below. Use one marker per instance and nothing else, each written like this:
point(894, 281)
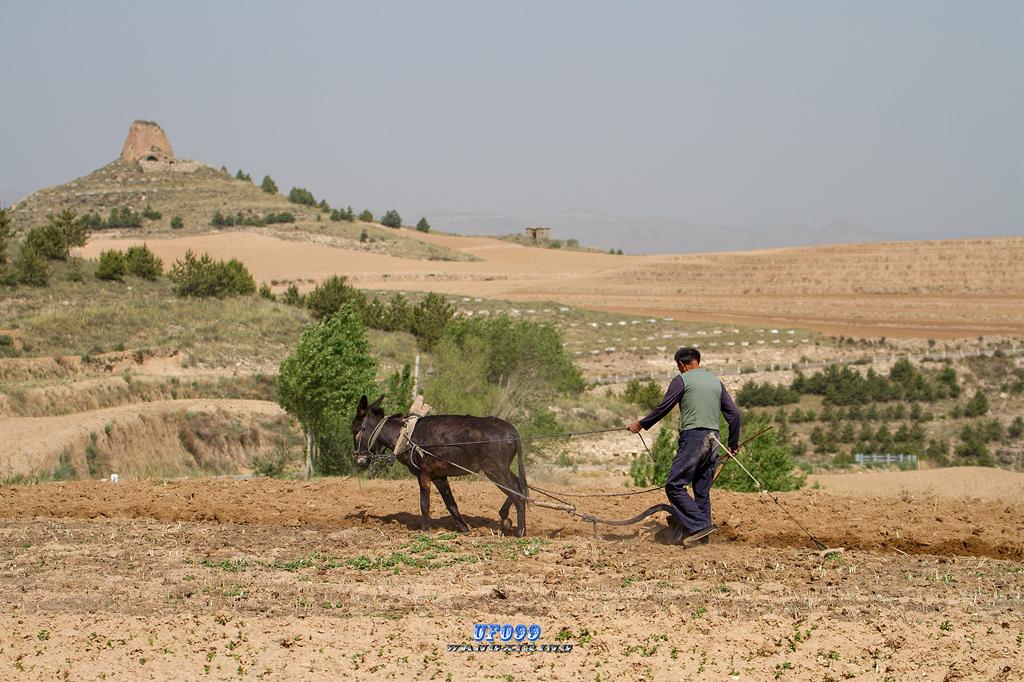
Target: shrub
point(977, 406)
point(281, 217)
point(266, 293)
point(423, 225)
point(429, 319)
point(123, 216)
point(298, 195)
point(768, 457)
point(177, 223)
point(645, 394)
point(345, 214)
point(363, 236)
point(753, 394)
point(242, 175)
point(324, 206)
point(143, 263)
point(391, 219)
point(112, 266)
point(291, 296)
point(30, 268)
point(93, 221)
point(366, 217)
point(204, 277)
point(497, 366)
point(647, 471)
point(268, 185)
point(330, 295)
point(149, 213)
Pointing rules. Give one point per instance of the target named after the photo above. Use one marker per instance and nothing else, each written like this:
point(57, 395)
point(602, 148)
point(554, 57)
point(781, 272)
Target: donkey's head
point(365, 428)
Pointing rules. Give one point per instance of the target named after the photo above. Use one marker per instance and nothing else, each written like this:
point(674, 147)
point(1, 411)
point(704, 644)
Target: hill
point(194, 192)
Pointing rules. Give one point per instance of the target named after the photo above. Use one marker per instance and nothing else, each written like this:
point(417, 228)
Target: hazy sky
point(907, 117)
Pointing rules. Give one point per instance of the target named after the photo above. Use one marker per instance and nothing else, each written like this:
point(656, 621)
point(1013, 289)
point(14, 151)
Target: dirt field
point(265, 579)
point(927, 289)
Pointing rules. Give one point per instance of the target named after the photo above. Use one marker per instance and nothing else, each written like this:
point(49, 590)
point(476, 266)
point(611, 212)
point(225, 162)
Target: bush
point(123, 217)
point(497, 366)
point(324, 206)
point(423, 225)
point(149, 213)
point(651, 470)
point(366, 217)
point(291, 296)
point(345, 214)
point(391, 219)
point(330, 295)
point(265, 292)
point(268, 185)
point(242, 175)
point(363, 236)
point(177, 223)
point(753, 394)
point(143, 263)
point(30, 268)
point(769, 458)
point(977, 406)
point(429, 319)
point(645, 394)
point(5, 232)
point(204, 277)
point(298, 195)
point(112, 266)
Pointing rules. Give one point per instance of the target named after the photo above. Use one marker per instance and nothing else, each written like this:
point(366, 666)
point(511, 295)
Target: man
point(701, 397)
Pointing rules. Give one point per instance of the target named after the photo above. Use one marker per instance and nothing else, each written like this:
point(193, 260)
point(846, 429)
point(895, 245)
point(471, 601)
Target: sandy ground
point(263, 579)
point(951, 289)
point(961, 482)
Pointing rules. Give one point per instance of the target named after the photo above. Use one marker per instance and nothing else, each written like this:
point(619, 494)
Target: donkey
point(478, 444)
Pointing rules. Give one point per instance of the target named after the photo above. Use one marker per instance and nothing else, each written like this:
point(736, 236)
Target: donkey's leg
point(503, 513)
point(449, 501)
point(424, 501)
point(508, 482)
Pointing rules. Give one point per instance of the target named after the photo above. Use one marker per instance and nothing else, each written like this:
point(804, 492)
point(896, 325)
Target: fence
point(886, 458)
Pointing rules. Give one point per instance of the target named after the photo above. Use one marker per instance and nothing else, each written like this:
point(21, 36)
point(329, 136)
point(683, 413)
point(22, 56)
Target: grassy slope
point(195, 196)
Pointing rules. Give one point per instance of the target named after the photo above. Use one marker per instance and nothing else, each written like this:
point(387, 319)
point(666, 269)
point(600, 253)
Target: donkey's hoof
point(506, 524)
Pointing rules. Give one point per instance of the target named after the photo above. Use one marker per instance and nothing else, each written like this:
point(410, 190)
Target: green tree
point(647, 471)
point(123, 216)
point(298, 195)
point(397, 316)
point(111, 266)
point(391, 219)
point(5, 232)
point(366, 217)
point(423, 225)
point(429, 318)
point(47, 241)
point(143, 263)
point(30, 268)
point(321, 381)
point(242, 175)
point(330, 295)
point(291, 296)
point(268, 185)
point(72, 228)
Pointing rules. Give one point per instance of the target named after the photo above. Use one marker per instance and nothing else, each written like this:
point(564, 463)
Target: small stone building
point(538, 233)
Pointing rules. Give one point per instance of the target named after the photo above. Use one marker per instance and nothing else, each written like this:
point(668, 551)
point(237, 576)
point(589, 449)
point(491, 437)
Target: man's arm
point(732, 418)
point(671, 399)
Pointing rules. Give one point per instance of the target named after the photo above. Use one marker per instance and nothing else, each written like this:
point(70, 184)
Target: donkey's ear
point(361, 408)
point(377, 403)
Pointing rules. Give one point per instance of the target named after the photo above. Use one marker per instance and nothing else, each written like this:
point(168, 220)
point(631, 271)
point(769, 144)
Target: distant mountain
point(651, 234)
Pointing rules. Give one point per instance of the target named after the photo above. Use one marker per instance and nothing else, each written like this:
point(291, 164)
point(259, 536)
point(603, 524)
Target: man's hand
point(634, 427)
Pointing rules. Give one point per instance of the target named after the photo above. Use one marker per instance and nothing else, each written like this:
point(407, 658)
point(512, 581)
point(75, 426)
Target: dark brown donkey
point(488, 445)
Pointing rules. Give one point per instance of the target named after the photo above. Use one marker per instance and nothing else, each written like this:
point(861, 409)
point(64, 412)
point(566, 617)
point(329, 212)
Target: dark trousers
point(695, 463)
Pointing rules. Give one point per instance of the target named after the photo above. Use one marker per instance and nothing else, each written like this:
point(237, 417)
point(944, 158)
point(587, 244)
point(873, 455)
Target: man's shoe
point(697, 537)
point(676, 534)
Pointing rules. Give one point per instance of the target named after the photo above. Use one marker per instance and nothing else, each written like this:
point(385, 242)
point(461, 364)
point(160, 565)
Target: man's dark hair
point(685, 355)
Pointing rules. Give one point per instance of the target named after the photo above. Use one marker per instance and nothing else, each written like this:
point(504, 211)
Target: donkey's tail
point(522, 469)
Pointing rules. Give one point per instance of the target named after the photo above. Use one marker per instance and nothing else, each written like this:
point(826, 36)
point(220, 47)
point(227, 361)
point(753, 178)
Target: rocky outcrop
point(146, 141)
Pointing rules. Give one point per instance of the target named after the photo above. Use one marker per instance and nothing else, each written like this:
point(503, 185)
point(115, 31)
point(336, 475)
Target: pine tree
point(268, 185)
